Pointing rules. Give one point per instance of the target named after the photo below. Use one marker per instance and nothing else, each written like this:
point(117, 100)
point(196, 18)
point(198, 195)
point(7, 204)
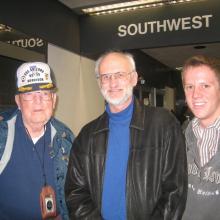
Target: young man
point(34, 150)
point(201, 82)
point(130, 162)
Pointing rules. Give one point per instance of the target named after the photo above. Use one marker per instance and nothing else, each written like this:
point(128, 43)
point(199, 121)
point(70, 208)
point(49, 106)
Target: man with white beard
point(130, 162)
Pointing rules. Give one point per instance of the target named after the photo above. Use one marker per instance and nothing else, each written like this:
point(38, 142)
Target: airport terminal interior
point(161, 34)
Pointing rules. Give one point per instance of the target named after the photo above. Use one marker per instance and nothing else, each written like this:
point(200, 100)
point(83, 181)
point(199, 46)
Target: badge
point(48, 202)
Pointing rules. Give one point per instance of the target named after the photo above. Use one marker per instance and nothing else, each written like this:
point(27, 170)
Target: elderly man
point(201, 82)
point(130, 162)
point(34, 150)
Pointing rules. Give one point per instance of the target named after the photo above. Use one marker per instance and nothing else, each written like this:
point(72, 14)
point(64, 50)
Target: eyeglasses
point(105, 78)
point(44, 95)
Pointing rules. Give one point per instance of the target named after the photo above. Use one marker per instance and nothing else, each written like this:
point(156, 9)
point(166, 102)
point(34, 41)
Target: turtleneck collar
point(123, 115)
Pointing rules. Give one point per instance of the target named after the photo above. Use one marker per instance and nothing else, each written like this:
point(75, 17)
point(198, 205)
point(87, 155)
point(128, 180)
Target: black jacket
point(156, 174)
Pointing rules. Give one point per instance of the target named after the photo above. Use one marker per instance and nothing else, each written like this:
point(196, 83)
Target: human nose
point(196, 92)
point(113, 78)
point(37, 97)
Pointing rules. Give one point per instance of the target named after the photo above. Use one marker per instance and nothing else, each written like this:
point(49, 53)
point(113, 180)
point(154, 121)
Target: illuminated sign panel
point(191, 23)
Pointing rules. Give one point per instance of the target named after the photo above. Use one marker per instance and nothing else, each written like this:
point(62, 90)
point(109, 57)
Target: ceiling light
point(118, 5)
point(131, 5)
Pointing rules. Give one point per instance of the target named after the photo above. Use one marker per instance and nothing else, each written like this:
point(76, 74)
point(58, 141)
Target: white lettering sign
point(27, 43)
point(174, 24)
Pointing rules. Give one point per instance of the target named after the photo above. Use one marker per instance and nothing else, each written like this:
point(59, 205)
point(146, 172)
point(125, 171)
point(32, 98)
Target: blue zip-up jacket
point(62, 138)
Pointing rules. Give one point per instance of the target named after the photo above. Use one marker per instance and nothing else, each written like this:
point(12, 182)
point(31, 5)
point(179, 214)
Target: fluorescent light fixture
point(129, 6)
point(118, 5)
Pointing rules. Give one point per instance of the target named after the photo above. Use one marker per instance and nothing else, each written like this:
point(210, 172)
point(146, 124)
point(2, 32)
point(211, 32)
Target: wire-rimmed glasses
point(105, 78)
point(44, 95)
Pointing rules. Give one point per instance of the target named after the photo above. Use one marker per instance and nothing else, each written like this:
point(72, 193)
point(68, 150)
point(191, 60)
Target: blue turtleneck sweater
point(114, 187)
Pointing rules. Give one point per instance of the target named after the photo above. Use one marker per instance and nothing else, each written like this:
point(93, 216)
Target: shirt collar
point(215, 125)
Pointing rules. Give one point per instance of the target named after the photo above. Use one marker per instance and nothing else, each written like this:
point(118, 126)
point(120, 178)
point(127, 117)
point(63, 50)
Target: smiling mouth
point(115, 90)
point(38, 110)
point(198, 104)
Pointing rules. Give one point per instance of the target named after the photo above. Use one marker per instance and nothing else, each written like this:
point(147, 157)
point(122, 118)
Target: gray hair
point(129, 56)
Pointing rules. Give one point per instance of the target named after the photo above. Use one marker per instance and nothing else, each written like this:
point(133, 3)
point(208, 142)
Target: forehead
point(197, 73)
point(114, 61)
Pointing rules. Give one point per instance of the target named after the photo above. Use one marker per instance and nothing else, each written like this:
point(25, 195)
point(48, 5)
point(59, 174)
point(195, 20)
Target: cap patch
point(34, 76)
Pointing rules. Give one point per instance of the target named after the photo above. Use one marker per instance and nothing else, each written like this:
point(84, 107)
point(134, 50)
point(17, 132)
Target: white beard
point(118, 101)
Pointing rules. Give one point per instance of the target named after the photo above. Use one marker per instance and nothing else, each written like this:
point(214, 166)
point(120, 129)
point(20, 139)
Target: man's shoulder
point(3, 136)
point(189, 131)
point(61, 127)
point(9, 113)
point(3, 129)
point(5, 124)
point(159, 114)
point(99, 123)
point(156, 110)
point(59, 124)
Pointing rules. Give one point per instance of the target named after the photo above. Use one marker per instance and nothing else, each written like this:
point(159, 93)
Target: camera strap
point(47, 195)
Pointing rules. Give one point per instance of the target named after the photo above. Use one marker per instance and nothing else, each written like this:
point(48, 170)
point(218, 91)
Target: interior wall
point(91, 100)
point(169, 98)
point(79, 99)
